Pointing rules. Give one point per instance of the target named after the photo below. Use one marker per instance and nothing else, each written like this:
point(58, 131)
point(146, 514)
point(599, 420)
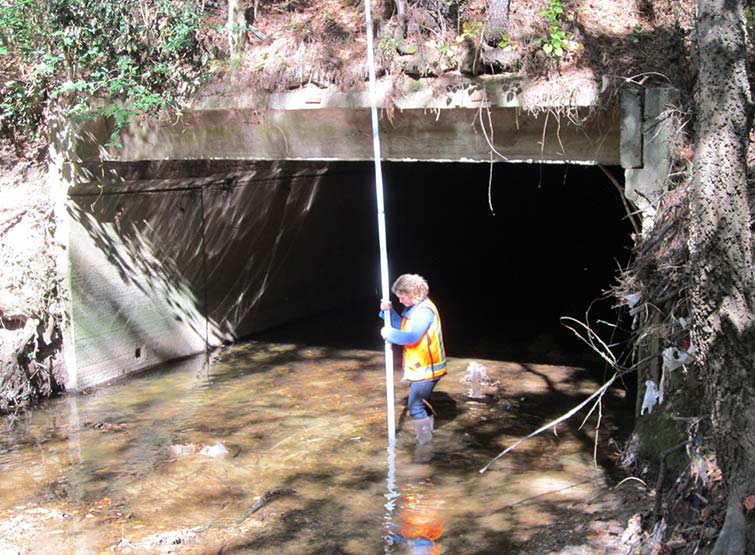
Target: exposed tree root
point(732, 539)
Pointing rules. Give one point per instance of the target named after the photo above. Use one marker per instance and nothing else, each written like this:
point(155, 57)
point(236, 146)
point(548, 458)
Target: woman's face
point(405, 299)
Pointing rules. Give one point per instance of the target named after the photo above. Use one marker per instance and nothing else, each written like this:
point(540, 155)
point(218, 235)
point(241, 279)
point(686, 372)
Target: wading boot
point(424, 430)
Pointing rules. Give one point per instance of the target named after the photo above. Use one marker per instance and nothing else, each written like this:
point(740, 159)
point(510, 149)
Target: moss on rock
point(659, 431)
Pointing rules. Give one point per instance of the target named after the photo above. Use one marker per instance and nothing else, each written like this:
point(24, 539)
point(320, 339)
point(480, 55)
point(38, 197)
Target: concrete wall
point(163, 267)
point(135, 282)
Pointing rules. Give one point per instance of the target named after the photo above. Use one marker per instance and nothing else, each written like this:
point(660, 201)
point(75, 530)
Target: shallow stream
point(269, 448)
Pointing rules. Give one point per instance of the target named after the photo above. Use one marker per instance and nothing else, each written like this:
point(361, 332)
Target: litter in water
point(480, 386)
point(217, 451)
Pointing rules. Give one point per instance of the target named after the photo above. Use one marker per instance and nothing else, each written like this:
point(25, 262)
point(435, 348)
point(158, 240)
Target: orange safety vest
point(426, 359)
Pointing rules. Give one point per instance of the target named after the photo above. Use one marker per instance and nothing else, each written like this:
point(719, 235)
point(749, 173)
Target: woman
point(418, 329)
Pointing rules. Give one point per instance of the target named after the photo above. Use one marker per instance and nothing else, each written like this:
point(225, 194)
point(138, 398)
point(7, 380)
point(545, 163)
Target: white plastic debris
point(178, 451)
point(476, 377)
point(632, 299)
point(217, 451)
point(652, 397)
point(673, 358)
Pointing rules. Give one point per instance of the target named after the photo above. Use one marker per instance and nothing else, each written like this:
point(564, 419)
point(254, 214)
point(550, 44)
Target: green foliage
point(637, 33)
point(386, 46)
point(553, 43)
point(750, 15)
point(470, 31)
point(115, 58)
point(449, 51)
point(505, 41)
point(416, 86)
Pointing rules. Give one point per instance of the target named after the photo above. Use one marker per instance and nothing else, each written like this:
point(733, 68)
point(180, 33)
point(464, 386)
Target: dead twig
point(9, 222)
point(489, 135)
point(261, 502)
point(604, 353)
point(628, 478)
point(619, 188)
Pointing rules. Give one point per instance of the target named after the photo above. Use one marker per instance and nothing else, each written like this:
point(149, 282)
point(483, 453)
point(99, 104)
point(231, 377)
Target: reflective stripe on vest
point(426, 359)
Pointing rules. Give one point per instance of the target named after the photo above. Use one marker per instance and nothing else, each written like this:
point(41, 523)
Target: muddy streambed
point(282, 449)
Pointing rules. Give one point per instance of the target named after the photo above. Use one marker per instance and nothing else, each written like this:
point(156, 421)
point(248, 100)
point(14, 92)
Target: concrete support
point(631, 127)
point(645, 185)
point(62, 173)
point(136, 261)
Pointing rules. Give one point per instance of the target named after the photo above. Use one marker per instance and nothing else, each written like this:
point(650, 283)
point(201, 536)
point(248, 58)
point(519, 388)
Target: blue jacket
point(420, 320)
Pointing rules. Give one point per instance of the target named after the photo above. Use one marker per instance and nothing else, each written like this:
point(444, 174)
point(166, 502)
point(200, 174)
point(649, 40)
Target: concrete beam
point(498, 117)
point(346, 135)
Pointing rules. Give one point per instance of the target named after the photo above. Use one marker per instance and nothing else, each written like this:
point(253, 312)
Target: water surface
point(122, 468)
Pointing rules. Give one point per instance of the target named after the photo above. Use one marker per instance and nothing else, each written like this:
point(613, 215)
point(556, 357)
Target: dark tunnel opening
point(505, 259)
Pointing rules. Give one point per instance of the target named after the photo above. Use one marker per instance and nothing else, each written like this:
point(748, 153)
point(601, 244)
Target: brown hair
point(413, 285)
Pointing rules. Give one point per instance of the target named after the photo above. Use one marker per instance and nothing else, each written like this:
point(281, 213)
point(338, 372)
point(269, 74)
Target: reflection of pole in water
point(420, 524)
point(391, 495)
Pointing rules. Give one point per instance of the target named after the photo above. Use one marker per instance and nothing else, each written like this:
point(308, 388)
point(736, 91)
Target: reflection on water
point(276, 448)
point(420, 520)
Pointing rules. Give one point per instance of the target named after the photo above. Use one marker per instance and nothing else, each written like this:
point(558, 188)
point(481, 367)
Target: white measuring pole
point(385, 288)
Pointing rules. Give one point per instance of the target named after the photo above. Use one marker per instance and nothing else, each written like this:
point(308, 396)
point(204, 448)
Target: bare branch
point(553, 423)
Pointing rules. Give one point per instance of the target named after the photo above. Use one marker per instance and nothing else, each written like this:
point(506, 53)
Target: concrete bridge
point(232, 220)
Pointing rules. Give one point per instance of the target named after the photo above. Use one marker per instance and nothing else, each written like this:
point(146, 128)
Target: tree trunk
point(400, 31)
point(721, 265)
point(497, 24)
point(236, 27)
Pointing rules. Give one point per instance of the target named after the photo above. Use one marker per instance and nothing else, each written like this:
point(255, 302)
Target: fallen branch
point(553, 423)
point(605, 352)
point(9, 222)
point(261, 502)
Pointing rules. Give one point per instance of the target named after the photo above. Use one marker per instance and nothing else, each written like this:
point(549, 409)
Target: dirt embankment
point(31, 303)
